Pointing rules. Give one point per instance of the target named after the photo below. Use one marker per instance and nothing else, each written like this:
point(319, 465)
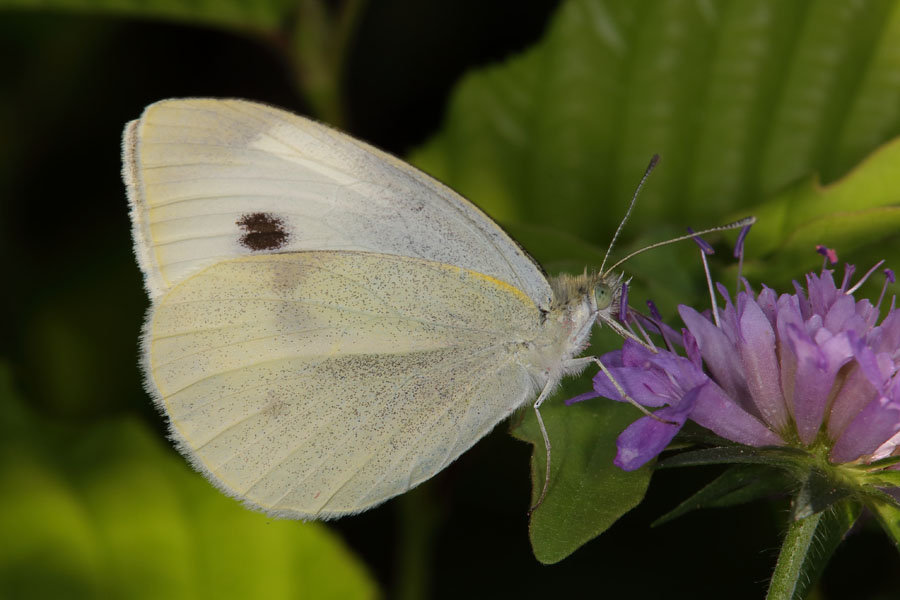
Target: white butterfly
point(330, 326)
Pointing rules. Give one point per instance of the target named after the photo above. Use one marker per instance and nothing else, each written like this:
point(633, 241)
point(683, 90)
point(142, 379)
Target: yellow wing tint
point(315, 384)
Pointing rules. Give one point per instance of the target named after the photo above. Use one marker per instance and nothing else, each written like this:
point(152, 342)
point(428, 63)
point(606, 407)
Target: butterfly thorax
point(567, 327)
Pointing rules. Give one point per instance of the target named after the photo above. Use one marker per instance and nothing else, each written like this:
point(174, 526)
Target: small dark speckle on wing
point(263, 231)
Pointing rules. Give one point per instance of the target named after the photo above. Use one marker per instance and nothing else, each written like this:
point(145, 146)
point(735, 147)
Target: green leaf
point(884, 478)
point(240, 15)
point(888, 514)
point(858, 211)
point(109, 511)
point(881, 495)
point(881, 463)
point(735, 96)
point(587, 493)
point(786, 457)
point(737, 485)
point(818, 492)
point(807, 547)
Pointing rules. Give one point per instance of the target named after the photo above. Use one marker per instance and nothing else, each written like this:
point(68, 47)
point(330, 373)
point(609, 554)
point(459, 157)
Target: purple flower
point(813, 369)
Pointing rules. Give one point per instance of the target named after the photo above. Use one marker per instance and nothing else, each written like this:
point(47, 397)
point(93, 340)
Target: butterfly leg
point(537, 413)
point(572, 366)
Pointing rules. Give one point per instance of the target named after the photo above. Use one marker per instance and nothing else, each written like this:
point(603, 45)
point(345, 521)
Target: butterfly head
point(582, 300)
point(606, 294)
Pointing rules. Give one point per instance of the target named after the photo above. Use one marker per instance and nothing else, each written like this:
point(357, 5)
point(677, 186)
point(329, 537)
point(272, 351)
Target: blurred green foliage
point(103, 510)
point(783, 109)
point(254, 16)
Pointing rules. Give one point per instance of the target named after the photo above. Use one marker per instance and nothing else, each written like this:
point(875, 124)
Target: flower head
point(813, 369)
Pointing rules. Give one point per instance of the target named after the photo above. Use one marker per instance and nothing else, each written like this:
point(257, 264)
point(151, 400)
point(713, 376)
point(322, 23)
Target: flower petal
point(855, 392)
point(822, 292)
point(644, 439)
point(768, 301)
point(862, 387)
point(788, 314)
point(816, 369)
point(761, 368)
point(867, 312)
point(888, 448)
point(685, 373)
point(839, 313)
point(646, 387)
point(717, 412)
point(650, 378)
point(878, 368)
point(886, 337)
point(581, 398)
point(692, 348)
point(875, 425)
point(719, 353)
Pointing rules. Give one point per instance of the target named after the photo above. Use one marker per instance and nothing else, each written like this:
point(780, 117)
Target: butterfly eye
point(603, 296)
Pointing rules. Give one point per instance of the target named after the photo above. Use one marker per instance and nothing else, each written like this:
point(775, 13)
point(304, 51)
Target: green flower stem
point(787, 579)
point(418, 519)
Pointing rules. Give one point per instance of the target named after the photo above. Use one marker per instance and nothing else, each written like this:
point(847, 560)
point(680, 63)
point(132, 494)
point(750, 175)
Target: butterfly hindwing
point(316, 384)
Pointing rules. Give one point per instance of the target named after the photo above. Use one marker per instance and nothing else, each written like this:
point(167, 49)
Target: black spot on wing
point(263, 231)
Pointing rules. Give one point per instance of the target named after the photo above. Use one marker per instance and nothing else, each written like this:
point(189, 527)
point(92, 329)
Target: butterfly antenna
point(612, 243)
point(736, 225)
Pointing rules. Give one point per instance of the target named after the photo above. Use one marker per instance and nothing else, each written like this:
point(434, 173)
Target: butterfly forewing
point(210, 180)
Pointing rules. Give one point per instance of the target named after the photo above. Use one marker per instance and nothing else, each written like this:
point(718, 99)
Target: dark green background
point(73, 303)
